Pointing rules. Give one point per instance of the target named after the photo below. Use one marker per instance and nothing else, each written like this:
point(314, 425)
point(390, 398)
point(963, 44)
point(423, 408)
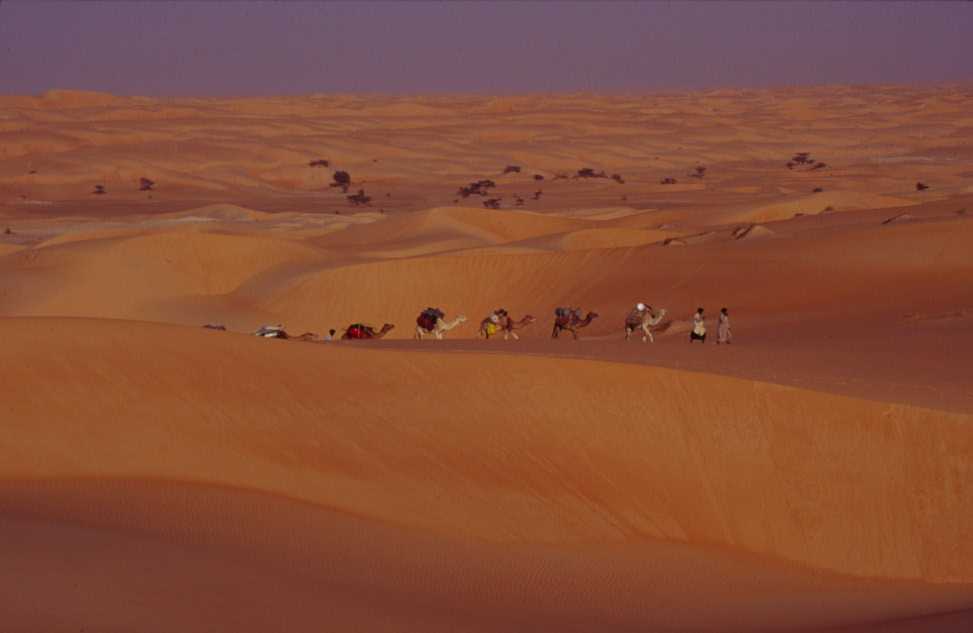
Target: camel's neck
point(449, 325)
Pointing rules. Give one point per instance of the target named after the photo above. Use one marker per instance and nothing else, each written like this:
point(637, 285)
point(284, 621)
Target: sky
point(226, 48)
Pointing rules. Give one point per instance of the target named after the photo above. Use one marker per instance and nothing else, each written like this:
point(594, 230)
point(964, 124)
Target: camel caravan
point(432, 322)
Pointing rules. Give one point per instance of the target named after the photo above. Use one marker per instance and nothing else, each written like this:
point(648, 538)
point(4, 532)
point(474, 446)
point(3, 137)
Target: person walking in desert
point(723, 333)
point(698, 332)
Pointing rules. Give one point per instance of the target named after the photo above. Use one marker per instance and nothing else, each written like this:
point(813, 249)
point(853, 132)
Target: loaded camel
point(278, 331)
point(357, 331)
point(500, 321)
point(431, 321)
point(570, 319)
point(643, 318)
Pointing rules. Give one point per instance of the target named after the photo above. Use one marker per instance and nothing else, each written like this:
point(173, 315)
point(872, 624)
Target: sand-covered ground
point(816, 475)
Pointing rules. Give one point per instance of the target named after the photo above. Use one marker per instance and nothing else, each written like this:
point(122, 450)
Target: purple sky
point(254, 48)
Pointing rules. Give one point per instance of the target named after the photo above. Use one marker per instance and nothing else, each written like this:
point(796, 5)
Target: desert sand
point(815, 475)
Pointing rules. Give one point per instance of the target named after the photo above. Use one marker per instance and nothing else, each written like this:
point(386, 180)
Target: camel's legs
point(418, 333)
point(628, 333)
point(555, 332)
point(513, 334)
point(647, 333)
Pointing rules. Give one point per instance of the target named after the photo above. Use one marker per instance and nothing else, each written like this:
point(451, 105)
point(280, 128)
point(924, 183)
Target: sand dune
point(813, 476)
point(623, 464)
point(816, 203)
point(128, 276)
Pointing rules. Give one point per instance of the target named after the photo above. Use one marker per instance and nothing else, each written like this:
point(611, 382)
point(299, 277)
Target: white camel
point(442, 326)
point(643, 319)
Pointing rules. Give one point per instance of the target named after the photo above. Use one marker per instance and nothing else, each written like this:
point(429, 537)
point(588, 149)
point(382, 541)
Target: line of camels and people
point(432, 322)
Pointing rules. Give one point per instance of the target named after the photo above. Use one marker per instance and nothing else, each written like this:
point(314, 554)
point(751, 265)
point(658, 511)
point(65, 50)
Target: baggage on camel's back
point(634, 318)
point(271, 331)
point(427, 320)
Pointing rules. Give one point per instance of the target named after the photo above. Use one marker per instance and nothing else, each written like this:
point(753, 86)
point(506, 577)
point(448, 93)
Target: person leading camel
point(723, 333)
point(698, 332)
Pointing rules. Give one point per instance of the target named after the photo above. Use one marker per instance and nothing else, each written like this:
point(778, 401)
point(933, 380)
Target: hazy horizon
point(286, 48)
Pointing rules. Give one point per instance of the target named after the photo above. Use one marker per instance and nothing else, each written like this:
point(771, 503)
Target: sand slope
point(612, 460)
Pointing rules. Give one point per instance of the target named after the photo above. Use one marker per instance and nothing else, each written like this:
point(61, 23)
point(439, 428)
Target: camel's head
point(592, 316)
point(461, 318)
point(387, 327)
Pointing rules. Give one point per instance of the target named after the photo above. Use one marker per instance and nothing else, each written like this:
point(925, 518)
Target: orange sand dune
point(812, 476)
point(611, 465)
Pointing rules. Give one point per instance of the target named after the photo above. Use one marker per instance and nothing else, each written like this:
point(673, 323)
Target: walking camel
point(569, 319)
point(432, 322)
point(357, 331)
point(504, 323)
point(643, 318)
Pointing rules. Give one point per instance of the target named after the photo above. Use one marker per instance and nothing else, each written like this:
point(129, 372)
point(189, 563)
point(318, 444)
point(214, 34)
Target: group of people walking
point(723, 333)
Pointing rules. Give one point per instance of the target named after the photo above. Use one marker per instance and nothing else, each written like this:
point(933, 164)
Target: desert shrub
point(319, 163)
point(145, 184)
point(99, 190)
point(341, 180)
point(698, 172)
point(477, 188)
point(511, 169)
point(618, 178)
point(359, 198)
point(921, 186)
point(538, 177)
point(492, 203)
point(537, 194)
point(588, 172)
point(817, 190)
point(668, 181)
